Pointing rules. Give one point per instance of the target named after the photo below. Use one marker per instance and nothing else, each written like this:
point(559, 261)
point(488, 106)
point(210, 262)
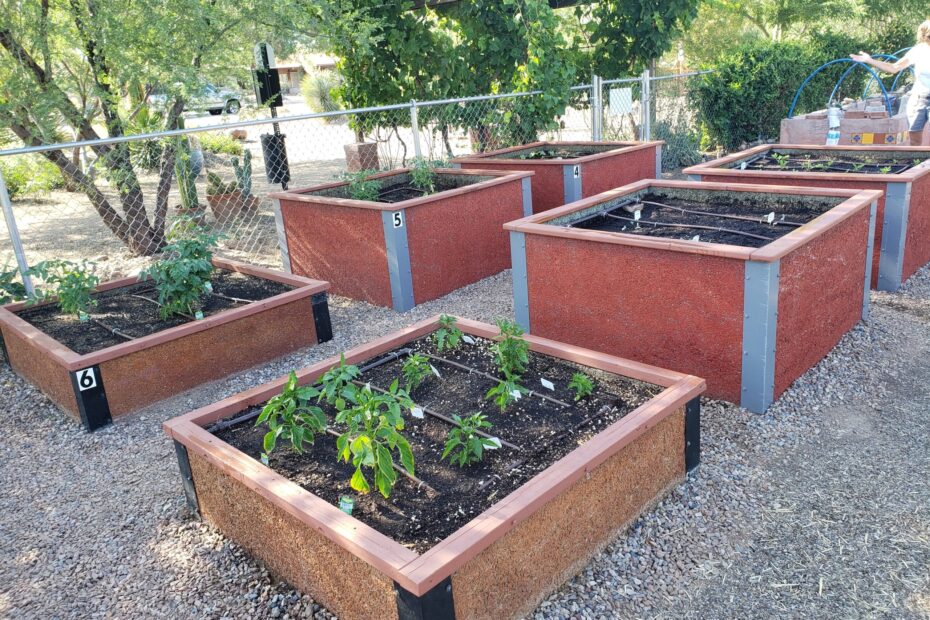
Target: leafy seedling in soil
point(416, 369)
point(807, 165)
point(885, 169)
point(448, 336)
point(184, 272)
point(335, 381)
point(290, 415)
point(506, 392)
point(464, 445)
point(423, 175)
point(72, 284)
point(582, 385)
point(858, 166)
point(511, 351)
point(361, 187)
point(10, 288)
point(781, 159)
point(372, 423)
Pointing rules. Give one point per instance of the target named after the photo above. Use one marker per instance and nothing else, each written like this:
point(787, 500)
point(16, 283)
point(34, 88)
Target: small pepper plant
point(582, 385)
point(464, 446)
point(361, 187)
point(416, 369)
point(448, 336)
point(511, 353)
point(184, 272)
point(11, 289)
point(71, 284)
point(291, 415)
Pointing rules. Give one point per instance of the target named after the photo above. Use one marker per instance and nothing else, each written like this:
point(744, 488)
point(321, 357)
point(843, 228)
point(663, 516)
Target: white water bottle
point(834, 114)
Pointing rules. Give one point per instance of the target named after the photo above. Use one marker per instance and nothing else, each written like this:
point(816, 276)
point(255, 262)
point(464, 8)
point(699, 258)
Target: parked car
point(209, 98)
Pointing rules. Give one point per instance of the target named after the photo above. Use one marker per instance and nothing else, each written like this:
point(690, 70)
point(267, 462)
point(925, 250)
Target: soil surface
point(397, 192)
point(125, 311)
point(542, 431)
point(815, 162)
point(552, 153)
point(718, 220)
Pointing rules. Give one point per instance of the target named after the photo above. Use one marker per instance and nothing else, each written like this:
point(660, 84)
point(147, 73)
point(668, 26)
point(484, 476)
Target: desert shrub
point(316, 88)
point(30, 174)
point(220, 143)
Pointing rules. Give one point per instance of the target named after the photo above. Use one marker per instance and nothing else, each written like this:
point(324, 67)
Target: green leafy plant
point(182, 275)
point(506, 392)
point(291, 416)
point(858, 166)
point(336, 380)
point(361, 187)
point(885, 169)
point(71, 284)
point(416, 369)
point(781, 159)
point(510, 350)
point(11, 289)
point(372, 423)
point(582, 385)
point(220, 143)
point(464, 445)
point(423, 175)
point(448, 336)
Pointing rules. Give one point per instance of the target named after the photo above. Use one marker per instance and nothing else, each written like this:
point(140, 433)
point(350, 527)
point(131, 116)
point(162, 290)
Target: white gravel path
point(818, 509)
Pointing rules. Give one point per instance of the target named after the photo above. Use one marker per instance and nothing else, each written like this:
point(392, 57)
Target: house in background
point(292, 70)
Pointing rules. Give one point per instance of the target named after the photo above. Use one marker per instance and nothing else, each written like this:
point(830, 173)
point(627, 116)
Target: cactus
point(244, 172)
point(184, 172)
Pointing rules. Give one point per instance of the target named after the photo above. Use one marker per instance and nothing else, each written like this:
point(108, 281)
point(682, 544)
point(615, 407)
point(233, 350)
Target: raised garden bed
point(701, 282)
point(488, 540)
point(568, 171)
point(408, 246)
point(902, 235)
point(124, 357)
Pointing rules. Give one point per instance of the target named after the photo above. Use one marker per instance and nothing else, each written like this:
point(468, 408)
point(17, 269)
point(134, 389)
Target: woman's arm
point(887, 67)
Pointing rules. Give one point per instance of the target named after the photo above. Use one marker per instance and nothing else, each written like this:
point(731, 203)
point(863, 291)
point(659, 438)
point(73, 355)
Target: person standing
point(918, 103)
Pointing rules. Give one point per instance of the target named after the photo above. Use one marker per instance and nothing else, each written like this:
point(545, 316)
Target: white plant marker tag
point(83, 316)
point(742, 166)
point(435, 372)
point(198, 315)
point(696, 238)
point(416, 412)
point(516, 394)
point(496, 443)
point(264, 458)
point(208, 287)
point(368, 386)
point(637, 214)
point(468, 339)
point(549, 385)
point(770, 218)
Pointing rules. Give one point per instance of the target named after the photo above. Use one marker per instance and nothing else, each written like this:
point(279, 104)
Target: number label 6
point(86, 379)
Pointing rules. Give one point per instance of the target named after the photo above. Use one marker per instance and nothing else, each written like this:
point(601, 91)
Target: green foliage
point(71, 284)
point(448, 336)
point(423, 175)
point(507, 391)
point(146, 154)
point(464, 445)
point(372, 423)
point(361, 187)
point(183, 273)
point(582, 384)
point(511, 351)
point(243, 172)
point(220, 143)
point(317, 90)
point(335, 380)
point(290, 415)
point(184, 172)
point(11, 289)
point(682, 144)
point(27, 174)
point(416, 369)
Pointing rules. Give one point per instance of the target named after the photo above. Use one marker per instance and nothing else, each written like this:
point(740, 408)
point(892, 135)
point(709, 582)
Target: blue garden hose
point(846, 73)
point(894, 85)
point(797, 95)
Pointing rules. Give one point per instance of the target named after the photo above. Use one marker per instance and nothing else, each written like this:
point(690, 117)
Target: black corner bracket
point(693, 433)
point(91, 397)
point(187, 478)
point(436, 604)
point(3, 351)
point(324, 329)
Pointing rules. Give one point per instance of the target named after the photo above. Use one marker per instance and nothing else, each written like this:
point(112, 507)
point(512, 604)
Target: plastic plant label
point(264, 458)
point(696, 238)
point(346, 504)
point(637, 214)
point(742, 166)
point(468, 339)
point(549, 385)
point(416, 412)
point(496, 443)
point(770, 218)
point(435, 372)
point(83, 316)
point(208, 287)
point(516, 394)
point(198, 315)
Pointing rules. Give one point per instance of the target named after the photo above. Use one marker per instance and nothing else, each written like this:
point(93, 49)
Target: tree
point(64, 62)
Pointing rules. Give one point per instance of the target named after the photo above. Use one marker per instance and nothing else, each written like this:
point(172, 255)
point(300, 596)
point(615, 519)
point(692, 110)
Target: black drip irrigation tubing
point(694, 226)
point(820, 167)
point(112, 330)
point(728, 216)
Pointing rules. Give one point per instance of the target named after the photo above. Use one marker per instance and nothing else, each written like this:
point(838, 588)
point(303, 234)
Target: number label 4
point(86, 379)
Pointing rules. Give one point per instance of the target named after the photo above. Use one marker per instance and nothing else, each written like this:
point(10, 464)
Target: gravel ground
point(817, 509)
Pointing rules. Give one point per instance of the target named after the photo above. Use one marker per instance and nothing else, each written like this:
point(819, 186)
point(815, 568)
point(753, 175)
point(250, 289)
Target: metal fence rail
point(219, 173)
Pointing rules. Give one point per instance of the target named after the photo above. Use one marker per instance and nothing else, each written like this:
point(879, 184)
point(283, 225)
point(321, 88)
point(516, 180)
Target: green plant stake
point(72, 284)
point(448, 336)
point(290, 415)
point(582, 384)
point(464, 445)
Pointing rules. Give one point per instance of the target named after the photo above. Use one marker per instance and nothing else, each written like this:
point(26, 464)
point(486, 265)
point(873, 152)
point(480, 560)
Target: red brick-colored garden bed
point(902, 232)
point(117, 380)
point(399, 254)
point(558, 181)
point(499, 564)
point(750, 320)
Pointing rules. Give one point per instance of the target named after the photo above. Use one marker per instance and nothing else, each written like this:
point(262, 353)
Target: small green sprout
point(448, 336)
point(291, 416)
point(361, 186)
point(781, 159)
point(858, 166)
point(506, 392)
point(335, 381)
point(71, 284)
point(885, 169)
point(416, 369)
point(510, 349)
point(10, 288)
point(423, 175)
point(464, 446)
point(582, 384)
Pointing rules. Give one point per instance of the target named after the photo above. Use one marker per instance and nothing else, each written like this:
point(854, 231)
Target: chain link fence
point(120, 196)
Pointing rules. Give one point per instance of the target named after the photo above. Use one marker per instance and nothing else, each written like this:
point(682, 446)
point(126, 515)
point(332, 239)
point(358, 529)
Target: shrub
point(30, 174)
point(317, 87)
point(220, 143)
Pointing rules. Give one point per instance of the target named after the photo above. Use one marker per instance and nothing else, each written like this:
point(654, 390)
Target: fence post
point(14, 236)
point(646, 121)
point(415, 126)
point(597, 109)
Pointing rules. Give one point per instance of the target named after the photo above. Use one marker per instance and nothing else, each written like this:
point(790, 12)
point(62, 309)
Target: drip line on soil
point(695, 226)
point(113, 331)
point(382, 194)
point(238, 300)
point(728, 216)
point(808, 165)
point(161, 306)
point(492, 377)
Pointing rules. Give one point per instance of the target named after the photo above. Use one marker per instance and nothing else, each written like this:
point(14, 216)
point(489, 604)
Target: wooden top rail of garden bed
point(419, 573)
point(720, 167)
point(855, 200)
point(303, 287)
point(301, 195)
point(626, 147)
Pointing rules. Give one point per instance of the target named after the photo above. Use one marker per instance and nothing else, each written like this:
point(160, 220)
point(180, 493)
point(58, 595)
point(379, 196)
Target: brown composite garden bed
point(125, 357)
point(747, 286)
point(489, 540)
point(568, 171)
point(408, 246)
point(902, 233)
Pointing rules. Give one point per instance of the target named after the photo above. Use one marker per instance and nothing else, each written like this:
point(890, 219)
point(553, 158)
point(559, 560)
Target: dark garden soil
point(551, 153)
point(839, 163)
point(124, 310)
point(398, 192)
point(540, 431)
point(718, 220)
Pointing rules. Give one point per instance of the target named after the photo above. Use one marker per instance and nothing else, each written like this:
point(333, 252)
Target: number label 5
point(86, 379)
point(398, 218)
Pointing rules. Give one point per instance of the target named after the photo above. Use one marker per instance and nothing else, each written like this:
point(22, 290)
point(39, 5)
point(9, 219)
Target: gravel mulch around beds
point(820, 508)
